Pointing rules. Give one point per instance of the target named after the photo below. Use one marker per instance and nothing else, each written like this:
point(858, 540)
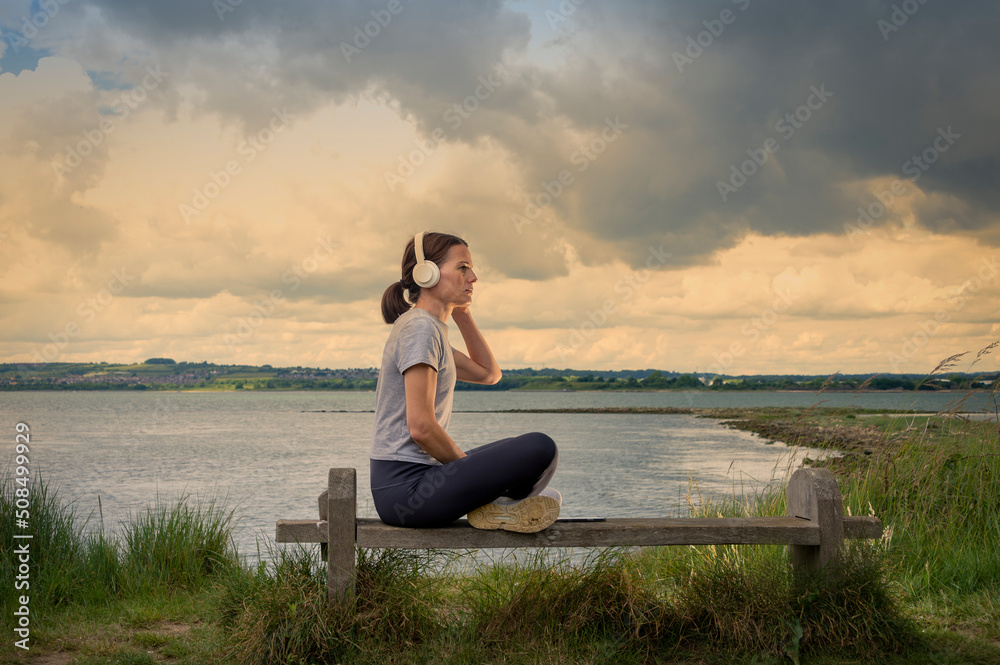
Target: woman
point(420, 477)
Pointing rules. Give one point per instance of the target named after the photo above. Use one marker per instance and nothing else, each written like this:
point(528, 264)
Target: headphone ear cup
point(426, 274)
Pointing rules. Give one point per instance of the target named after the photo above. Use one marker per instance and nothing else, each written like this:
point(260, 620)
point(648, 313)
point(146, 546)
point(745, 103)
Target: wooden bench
point(814, 530)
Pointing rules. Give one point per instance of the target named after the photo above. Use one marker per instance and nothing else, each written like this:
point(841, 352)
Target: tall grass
point(937, 487)
point(278, 612)
point(177, 545)
point(941, 498)
point(164, 546)
point(617, 606)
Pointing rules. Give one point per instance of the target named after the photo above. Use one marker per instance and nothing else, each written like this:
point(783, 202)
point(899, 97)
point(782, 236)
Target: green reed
point(165, 546)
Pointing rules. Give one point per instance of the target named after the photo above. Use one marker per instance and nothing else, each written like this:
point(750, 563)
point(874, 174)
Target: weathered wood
point(300, 531)
point(323, 508)
point(862, 528)
point(342, 509)
point(610, 533)
point(642, 531)
point(814, 530)
point(813, 495)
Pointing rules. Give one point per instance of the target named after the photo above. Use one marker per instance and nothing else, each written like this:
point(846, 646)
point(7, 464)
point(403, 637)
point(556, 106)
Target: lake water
point(267, 453)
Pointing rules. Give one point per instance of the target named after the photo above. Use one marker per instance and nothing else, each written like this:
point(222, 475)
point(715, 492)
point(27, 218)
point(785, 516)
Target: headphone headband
point(418, 247)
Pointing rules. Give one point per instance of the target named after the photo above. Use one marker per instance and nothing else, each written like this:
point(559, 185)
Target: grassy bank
point(169, 587)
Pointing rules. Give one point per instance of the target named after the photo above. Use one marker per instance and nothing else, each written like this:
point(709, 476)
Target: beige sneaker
point(525, 516)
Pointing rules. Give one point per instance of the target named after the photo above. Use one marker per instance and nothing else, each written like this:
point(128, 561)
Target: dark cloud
point(881, 89)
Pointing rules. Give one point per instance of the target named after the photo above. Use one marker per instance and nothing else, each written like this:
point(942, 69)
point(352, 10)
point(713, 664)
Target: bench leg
point(323, 507)
point(341, 510)
point(813, 494)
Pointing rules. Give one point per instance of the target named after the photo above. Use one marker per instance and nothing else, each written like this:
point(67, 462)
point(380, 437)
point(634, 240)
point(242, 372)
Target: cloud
point(689, 124)
point(563, 152)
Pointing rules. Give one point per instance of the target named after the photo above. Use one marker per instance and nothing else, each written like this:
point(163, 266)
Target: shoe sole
point(528, 516)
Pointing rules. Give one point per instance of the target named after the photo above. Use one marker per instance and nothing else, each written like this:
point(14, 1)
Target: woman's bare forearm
point(479, 351)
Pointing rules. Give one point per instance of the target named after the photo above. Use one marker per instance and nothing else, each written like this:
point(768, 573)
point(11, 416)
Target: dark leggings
point(422, 495)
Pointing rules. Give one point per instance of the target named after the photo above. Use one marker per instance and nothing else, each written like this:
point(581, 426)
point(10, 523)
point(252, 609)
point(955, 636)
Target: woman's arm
point(420, 384)
point(479, 366)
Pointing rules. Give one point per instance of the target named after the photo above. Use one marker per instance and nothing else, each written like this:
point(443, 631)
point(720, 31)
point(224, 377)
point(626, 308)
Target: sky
point(729, 187)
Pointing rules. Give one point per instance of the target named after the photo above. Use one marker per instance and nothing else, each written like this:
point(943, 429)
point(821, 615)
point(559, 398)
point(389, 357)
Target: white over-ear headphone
point(426, 273)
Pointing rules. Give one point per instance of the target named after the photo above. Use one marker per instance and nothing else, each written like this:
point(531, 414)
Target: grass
point(169, 585)
point(166, 546)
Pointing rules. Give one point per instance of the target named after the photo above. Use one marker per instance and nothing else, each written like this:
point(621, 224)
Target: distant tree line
point(168, 374)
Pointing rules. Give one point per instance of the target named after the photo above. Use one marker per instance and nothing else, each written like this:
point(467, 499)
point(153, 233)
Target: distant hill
point(167, 374)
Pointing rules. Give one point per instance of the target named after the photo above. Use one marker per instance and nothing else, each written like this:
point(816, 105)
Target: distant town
point(168, 374)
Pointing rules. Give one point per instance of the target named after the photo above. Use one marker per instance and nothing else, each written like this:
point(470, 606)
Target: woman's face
point(457, 277)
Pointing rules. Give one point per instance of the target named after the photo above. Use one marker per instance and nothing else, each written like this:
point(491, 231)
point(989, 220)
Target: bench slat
point(610, 533)
point(862, 527)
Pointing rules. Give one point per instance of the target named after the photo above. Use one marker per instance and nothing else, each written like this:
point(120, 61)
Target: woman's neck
point(435, 308)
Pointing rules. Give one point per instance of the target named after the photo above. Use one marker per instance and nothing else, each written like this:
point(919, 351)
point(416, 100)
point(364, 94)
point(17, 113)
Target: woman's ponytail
point(394, 302)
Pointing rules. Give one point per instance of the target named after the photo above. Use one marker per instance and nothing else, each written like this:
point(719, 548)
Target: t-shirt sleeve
point(419, 342)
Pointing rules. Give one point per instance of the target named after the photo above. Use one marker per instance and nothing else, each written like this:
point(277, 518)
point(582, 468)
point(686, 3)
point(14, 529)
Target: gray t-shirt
point(417, 337)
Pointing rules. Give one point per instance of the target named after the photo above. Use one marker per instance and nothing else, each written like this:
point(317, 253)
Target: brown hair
point(436, 246)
